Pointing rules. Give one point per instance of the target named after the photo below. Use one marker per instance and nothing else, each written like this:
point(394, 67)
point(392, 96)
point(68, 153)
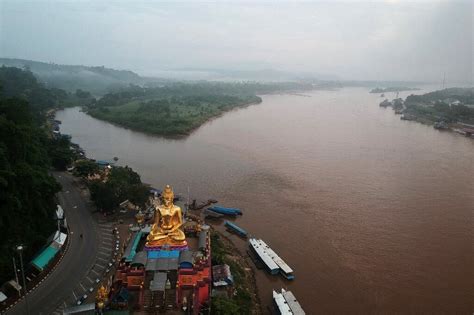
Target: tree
point(122, 179)
point(85, 168)
point(103, 195)
point(83, 94)
point(60, 153)
point(224, 306)
point(138, 195)
point(27, 191)
point(122, 184)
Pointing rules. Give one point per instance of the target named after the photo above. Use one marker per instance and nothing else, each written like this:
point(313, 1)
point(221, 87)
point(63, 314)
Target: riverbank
point(449, 109)
point(246, 297)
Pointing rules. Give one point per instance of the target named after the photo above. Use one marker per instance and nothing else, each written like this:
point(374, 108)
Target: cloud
point(402, 40)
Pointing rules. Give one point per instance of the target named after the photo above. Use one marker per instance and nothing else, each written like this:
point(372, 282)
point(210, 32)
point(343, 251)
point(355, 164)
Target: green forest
point(449, 105)
point(178, 108)
point(27, 190)
point(29, 151)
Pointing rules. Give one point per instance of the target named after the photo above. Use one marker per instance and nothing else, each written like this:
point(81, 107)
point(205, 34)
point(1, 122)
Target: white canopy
point(3, 297)
point(59, 213)
point(59, 238)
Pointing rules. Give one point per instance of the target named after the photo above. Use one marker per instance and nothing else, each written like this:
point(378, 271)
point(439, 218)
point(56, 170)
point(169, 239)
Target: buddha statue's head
point(168, 196)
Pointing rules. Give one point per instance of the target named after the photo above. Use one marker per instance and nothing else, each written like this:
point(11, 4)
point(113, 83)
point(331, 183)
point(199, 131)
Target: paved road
point(68, 277)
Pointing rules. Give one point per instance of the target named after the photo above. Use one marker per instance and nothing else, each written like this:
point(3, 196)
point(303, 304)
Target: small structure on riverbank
point(221, 276)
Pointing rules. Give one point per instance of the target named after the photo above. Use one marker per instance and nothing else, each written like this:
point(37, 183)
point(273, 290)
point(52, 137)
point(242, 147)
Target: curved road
point(76, 263)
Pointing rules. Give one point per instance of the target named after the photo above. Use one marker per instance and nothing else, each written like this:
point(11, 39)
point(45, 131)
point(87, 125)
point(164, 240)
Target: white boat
point(272, 261)
point(286, 303)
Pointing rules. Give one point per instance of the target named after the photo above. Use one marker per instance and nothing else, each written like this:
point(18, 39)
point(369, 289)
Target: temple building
point(163, 269)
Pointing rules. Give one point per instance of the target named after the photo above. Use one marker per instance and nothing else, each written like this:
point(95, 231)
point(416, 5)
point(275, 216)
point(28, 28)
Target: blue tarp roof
point(163, 254)
point(42, 260)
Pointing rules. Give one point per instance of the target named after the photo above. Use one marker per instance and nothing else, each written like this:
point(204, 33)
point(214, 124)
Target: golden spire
point(101, 297)
point(168, 193)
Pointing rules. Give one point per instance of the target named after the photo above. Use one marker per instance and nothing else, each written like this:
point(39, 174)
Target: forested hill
point(97, 80)
point(27, 191)
point(15, 82)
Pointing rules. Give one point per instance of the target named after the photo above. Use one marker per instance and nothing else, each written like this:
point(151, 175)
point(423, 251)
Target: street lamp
point(20, 249)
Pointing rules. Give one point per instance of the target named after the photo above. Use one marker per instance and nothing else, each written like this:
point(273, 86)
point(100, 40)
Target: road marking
point(107, 237)
point(75, 296)
point(90, 280)
point(95, 272)
point(82, 286)
point(65, 305)
point(104, 253)
point(99, 265)
point(107, 244)
point(107, 240)
point(108, 248)
point(75, 207)
point(102, 259)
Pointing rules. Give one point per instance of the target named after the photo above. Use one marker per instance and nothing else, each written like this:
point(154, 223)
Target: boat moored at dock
point(213, 215)
point(227, 211)
point(271, 260)
point(236, 229)
point(260, 250)
point(286, 303)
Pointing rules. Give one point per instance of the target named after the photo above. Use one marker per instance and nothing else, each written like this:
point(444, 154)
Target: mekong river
point(374, 214)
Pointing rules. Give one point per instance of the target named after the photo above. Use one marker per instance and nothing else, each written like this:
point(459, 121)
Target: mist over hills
point(96, 80)
point(263, 74)
point(99, 80)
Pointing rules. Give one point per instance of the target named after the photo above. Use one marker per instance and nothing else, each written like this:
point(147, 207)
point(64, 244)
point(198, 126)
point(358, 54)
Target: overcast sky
point(381, 40)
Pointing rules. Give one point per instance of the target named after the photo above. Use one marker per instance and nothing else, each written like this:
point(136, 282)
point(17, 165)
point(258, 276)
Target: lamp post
point(20, 249)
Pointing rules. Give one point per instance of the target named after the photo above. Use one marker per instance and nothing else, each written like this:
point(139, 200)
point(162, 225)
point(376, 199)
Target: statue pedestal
point(166, 247)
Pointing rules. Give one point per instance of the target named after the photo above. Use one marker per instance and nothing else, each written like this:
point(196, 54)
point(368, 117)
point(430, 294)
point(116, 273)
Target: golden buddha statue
point(166, 229)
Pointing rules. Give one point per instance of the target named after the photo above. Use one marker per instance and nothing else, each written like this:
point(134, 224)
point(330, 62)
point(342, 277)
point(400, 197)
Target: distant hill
point(97, 80)
point(262, 75)
point(393, 89)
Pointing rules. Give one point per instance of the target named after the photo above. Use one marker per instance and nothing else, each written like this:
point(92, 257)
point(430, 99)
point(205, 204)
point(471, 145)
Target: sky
point(361, 40)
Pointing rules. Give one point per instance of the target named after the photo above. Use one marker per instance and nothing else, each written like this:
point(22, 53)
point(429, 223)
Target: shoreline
point(250, 282)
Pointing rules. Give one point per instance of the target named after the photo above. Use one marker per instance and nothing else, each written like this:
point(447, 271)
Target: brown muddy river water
point(374, 214)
